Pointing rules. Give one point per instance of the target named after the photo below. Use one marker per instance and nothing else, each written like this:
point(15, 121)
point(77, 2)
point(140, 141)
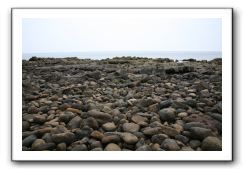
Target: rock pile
point(121, 104)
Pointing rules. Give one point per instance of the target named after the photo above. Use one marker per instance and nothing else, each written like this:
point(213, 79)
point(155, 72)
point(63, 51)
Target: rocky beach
point(121, 104)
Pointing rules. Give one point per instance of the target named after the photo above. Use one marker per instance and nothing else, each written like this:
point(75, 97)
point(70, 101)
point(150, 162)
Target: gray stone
point(194, 143)
point(159, 138)
point(29, 140)
point(74, 123)
point(167, 114)
point(170, 145)
point(199, 133)
point(165, 104)
point(182, 138)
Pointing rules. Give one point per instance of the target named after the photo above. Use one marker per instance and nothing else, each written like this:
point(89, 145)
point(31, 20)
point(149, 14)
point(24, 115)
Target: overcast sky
point(121, 34)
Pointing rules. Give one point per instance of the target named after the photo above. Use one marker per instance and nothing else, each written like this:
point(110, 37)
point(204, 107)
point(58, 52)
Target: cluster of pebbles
point(121, 104)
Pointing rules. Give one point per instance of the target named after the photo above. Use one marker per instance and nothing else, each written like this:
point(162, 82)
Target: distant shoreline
point(175, 55)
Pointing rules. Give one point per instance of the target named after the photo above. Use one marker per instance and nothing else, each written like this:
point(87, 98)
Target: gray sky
point(121, 34)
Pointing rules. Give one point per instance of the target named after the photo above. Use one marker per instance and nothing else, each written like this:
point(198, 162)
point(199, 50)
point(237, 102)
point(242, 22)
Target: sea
point(175, 55)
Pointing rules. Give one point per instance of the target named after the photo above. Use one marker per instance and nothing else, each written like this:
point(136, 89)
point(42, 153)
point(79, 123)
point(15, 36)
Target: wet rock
point(112, 147)
point(167, 114)
point(211, 144)
point(170, 145)
point(131, 127)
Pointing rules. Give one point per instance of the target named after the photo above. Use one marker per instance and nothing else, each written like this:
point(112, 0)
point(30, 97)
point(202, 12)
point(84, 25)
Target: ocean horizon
point(175, 55)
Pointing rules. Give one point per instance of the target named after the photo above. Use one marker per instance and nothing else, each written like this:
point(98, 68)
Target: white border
point(19, 155)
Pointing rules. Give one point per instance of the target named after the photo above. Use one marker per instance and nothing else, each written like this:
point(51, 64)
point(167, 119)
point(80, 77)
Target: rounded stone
point(112, 147)
point(129, 138)
point(131, 127)
point(170, 145)
point(167, 114)
point(109, 126)
point(211, 144)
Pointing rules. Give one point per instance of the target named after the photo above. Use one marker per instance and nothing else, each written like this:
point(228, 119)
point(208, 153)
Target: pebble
point(211, 144)
point(131, 127)
point(129, 138)
point(109, 126)
point(167, 114)
point(170, 145)
point(112, 147)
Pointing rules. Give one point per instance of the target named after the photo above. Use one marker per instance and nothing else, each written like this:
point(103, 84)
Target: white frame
point(18, 155)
